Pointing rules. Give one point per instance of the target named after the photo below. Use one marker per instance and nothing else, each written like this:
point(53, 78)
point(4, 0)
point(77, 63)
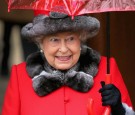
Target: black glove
point(111, 96)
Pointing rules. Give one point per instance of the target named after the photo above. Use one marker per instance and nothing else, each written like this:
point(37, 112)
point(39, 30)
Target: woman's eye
point(70, 38)
point(54, 39)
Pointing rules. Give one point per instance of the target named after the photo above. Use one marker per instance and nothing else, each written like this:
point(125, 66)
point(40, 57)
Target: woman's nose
point(63, 47)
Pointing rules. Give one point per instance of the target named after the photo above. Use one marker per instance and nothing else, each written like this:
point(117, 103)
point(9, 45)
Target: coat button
point(66, 99)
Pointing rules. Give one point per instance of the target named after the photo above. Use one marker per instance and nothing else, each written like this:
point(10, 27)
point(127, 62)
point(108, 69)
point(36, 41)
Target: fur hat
point(43, 25)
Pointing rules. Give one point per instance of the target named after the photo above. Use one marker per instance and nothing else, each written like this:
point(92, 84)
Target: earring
point(42, 54)
point(41, 51)
point(80, 48)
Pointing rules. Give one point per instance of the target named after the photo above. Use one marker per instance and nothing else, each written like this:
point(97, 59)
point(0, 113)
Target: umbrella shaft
point(108, 41)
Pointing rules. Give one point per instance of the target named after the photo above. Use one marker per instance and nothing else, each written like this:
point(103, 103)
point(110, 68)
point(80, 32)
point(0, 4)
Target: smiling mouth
point(63, 58)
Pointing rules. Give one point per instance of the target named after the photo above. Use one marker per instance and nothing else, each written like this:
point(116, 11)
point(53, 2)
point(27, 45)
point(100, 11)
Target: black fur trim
point(34, 64)
point(47, 79)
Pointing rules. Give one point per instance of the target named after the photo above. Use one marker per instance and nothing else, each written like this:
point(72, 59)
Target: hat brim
point(43, 25)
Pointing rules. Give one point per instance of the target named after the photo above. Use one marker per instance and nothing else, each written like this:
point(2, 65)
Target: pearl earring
point(41, 50)
point(42, 54)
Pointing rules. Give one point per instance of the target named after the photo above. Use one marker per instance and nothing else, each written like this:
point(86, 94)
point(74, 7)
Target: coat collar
point(46, 79)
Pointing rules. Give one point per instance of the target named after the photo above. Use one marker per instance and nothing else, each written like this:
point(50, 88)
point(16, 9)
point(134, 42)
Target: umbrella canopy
point(73, 7)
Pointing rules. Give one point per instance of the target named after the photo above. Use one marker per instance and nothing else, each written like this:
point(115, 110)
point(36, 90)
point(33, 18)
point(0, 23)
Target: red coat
point(20, 98)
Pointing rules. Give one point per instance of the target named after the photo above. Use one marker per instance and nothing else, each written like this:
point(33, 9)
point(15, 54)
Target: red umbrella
point(79, 7)
point(73, 7)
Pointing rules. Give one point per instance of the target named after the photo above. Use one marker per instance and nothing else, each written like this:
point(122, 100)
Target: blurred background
point(14, 49)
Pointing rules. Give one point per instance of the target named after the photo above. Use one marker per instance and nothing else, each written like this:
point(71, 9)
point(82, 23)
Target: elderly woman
point(60, 79)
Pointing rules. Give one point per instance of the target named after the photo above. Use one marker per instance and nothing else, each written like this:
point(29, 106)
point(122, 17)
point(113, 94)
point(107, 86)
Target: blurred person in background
point(11, 19)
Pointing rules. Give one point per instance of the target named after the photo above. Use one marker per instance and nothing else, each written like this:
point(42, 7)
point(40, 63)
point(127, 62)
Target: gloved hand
point(111, 96)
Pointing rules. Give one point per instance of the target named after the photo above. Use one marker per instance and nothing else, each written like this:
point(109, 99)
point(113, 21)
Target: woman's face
point(62, 50)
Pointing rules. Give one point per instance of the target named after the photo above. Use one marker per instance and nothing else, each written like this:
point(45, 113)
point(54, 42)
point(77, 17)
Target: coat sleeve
point(11, 105)
point(119, 83)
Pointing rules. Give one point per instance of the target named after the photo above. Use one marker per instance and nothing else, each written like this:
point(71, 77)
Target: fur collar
point(47, 79)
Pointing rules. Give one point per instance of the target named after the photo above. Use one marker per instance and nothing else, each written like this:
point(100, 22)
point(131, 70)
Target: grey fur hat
point(43, 25)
